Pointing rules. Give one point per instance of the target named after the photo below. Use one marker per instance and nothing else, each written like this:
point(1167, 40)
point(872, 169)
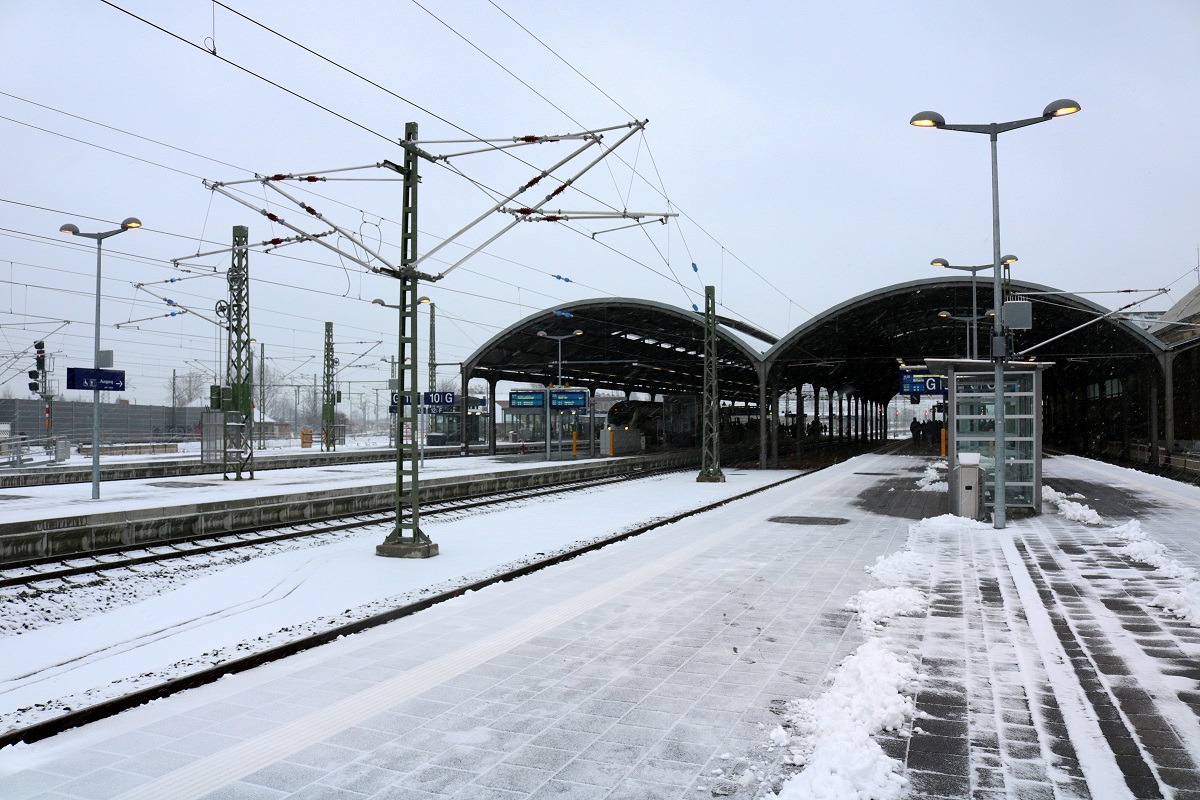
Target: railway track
point(39, 574)
point(44, 572)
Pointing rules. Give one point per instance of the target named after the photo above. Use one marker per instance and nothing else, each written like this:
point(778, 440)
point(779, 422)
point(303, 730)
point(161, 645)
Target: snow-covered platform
point(830, 637)
point(62, 520)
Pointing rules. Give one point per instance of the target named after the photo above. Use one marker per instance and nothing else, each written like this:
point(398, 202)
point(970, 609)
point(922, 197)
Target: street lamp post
point(558, 339)
point(973, 331)
point(130, 222)
point(972, 321)
point(432, 346)
point(932, 119)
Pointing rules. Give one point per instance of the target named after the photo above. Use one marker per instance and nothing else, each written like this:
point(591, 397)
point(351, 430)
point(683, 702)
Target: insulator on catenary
point(270, 216)
point(524, 210)
point(309, 209)
point(561, 278)
point(275, 241)
point(694, 267)
point(695, 307)
point(533, 182)
point(551, 218)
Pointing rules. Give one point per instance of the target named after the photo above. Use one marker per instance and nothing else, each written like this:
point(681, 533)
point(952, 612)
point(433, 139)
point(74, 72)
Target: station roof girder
point(859, 345)
point(626, 345)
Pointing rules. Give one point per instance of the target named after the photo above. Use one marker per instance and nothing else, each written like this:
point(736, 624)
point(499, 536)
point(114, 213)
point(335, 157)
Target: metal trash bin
point(62, 450)
point(969, 497)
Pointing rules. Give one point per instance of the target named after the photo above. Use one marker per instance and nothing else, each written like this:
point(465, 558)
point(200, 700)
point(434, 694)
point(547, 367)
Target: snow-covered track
point(43, 572)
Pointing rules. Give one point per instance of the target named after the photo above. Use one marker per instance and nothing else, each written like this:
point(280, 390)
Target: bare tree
point(188, 387)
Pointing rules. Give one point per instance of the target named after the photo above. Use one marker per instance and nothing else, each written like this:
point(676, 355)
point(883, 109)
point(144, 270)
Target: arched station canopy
point(625, 345)
point(858, 346)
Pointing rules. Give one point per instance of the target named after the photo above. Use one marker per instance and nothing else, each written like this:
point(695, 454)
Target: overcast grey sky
point(779, 130)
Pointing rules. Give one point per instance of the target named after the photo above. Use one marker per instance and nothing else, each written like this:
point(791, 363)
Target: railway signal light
point(37, 375)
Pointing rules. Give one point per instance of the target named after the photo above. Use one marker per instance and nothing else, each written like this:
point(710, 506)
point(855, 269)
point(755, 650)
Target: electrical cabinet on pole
point(710, 444)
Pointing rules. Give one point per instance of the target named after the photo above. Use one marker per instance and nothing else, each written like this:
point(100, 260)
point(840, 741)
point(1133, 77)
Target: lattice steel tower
point(328, 394)
point(710, 437)
point(407, 540)
point(237, 402)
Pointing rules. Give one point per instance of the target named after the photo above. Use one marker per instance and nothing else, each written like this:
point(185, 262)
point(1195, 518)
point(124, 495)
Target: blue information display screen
point(527, 399)
point(575, 399)
point(921, 383)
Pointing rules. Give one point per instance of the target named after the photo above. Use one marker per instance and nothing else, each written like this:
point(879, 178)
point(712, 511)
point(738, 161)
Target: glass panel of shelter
point(975, 427)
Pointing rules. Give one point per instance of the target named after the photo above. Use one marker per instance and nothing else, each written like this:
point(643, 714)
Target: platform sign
point(535, 399)
point(432, 402)
point(102, 380)
point(565, 399)
point(921, 383)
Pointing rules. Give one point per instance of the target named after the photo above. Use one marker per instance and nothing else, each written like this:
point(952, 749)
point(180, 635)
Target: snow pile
point(931, 481)
point(899, 567)
point(832, 733)
point(1076, 512)
point(948, 523)
point(1141, 548)
point(1184, 603)
point(877, 607)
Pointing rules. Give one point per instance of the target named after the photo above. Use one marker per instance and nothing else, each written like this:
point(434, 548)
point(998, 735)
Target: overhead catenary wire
point(367, 80)
point(636, 261)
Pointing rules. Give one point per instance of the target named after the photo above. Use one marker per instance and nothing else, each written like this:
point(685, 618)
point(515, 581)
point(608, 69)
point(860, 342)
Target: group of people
point(926, 434)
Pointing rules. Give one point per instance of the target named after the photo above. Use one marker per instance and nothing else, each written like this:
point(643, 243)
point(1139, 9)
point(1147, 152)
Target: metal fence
point(118, 422)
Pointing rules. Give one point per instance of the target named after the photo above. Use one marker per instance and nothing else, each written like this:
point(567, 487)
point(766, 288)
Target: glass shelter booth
point(971, 428)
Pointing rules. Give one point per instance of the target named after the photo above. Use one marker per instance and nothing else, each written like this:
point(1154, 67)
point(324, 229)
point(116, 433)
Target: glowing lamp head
point(1061, 108)
point(69, 228)
point(927, 119)
point(131, 222)
point(939, 262)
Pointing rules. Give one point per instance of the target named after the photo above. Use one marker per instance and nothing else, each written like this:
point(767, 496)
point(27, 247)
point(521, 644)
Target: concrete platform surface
point(679, 664)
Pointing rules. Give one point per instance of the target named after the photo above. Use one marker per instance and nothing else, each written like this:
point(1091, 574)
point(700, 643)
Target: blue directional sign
point(572, 399)
point(103, 380)
point(535, 399)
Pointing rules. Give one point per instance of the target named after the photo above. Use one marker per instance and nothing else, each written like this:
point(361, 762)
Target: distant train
point(675, 422)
